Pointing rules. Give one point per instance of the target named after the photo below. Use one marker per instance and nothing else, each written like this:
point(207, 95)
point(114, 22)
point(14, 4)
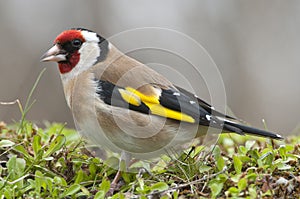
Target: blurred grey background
point(255, 45)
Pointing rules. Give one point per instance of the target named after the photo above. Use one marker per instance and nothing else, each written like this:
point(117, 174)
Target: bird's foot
point(114, 184)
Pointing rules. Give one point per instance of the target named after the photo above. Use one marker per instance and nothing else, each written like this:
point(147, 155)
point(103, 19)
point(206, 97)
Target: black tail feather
point(241, 129)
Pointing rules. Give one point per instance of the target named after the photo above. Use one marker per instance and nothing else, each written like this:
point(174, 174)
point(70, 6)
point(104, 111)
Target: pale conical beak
point(54, 54)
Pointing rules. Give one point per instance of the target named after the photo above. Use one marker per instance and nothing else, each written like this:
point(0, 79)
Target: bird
point(122, 104)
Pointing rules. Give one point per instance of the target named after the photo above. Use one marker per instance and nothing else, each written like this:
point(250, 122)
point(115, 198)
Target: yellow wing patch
point(130, 97)
point(144, 98)
point(153, 104)
point(158, 109)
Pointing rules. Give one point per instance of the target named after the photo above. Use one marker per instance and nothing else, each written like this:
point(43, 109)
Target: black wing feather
point(110, 94)
point(205, 105)
point(187, 103)
point(182, 101)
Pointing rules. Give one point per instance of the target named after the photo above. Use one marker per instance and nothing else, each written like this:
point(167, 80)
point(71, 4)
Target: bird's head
point(76, 50)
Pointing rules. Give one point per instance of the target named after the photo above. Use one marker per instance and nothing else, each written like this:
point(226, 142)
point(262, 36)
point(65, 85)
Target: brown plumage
point(122, 104)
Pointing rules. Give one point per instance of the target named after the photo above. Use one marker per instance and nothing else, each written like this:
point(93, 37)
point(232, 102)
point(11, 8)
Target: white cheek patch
point(89, 52)
point(90, 36)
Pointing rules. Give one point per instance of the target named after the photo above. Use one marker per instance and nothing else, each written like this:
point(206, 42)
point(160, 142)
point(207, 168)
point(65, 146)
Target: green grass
point(53, 163)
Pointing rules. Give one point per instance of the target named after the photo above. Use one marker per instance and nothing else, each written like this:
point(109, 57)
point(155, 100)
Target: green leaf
point(251, 176)
point(38, 181)
point(235, 178)
point(243, 149)
point(238, 165)
point(72, 190)
point(125, 175)
point(59, 181)
point(23, 151)
point(100, 195)
point(39, 156)
point(159, 186)
point(217, 152)
point(242, 184)
point(249, 144)
point(228, 142)
point(105, 185)
point(16, 166)
point(6, 143)
point(112, 161)
point(55, 145)
point(254, 154)
point(233, 191)
point(92, 170)
point(8, 194)
point(11, 164)
point(36, 144)
point(162, 197)
point(85, 190)
point(222, 178)
point(175, 194)
point(252, 192)
point(71, 135)
point(289, 148)
point(216, 189)
point(282, 152)
point(268, 158)
point(49, 183)
point(283, 166)
point(244, 158)
point(118, 196)
point(220, 163)
point(79, 177)
point(260, 163)
point(204, 168)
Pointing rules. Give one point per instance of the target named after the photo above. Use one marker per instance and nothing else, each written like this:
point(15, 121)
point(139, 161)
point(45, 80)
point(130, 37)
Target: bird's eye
point(76, 43)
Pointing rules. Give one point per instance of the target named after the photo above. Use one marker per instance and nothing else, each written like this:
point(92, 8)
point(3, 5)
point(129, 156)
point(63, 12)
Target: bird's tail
point(241, 129)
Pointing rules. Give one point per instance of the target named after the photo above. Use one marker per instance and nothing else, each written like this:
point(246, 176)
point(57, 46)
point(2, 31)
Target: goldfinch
point(122, 104)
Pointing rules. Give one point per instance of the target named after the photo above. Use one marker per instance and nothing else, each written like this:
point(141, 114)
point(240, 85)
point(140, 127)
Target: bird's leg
point(123, 165)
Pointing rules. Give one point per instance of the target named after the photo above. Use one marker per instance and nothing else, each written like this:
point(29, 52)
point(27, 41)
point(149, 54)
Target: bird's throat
point(67, 66)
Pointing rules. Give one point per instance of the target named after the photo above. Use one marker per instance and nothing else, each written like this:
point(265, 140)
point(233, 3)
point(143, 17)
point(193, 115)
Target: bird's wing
point(129, 84)
point(205, 105)
point(154, 99)
point(174, 104)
